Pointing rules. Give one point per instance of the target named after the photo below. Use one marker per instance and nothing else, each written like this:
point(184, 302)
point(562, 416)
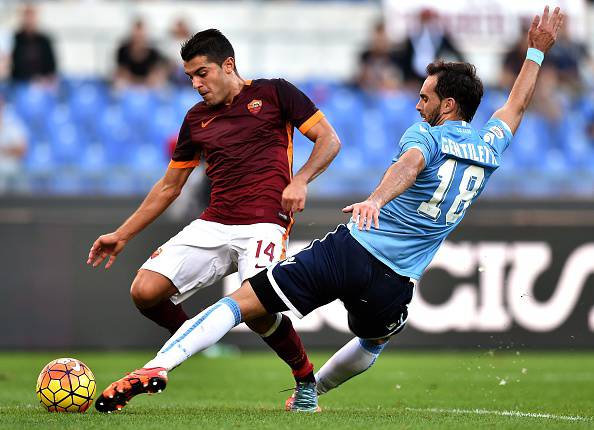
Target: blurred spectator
point(32, 53)
point(5, 53)
point(567, 56)
point(547, 100)
point(378, 67)
point(424, 45)
point(139, 62)
point(513, 60)
point(177, 34)
point(13, 146)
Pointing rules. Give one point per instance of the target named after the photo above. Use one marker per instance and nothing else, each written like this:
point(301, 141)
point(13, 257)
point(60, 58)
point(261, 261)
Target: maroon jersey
point(248, 150)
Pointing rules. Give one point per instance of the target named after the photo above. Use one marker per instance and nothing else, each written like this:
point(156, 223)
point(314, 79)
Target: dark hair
point(460, 82)
point(211, 43)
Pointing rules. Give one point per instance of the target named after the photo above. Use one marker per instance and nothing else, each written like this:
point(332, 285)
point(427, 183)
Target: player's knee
point(262, 325)
point(146, 290)
point(142, 296)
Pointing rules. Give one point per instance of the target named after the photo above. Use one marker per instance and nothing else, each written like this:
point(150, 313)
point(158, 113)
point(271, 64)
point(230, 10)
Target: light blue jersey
point(458, 162)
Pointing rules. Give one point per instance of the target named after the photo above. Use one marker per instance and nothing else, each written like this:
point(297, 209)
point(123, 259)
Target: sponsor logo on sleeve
point(156, 253)
point(497, 131)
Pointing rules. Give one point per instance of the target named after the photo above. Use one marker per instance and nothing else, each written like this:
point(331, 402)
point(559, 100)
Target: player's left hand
point(544, 29)
point(364, 213)
point(294, 196)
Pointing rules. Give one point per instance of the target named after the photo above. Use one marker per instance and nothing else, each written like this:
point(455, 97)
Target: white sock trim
point(279, 318)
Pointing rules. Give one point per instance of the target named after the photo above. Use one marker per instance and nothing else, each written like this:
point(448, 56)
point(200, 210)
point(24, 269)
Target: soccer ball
point(66, 385)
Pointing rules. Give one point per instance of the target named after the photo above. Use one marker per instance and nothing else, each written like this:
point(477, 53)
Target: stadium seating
point(87, 99)
point(33, 104)
point(86, 138)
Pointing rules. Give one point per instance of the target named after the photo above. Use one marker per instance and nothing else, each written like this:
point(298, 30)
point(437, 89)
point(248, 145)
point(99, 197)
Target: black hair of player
point(210, 43)
point(459, 81)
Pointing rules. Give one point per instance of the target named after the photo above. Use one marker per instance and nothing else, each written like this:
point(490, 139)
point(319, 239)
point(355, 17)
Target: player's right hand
point(543, 31)
point(364, 214)
point(294, 196)
point(107, 245)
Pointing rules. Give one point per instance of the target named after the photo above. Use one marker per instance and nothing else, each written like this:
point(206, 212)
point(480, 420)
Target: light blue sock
point(198, 333)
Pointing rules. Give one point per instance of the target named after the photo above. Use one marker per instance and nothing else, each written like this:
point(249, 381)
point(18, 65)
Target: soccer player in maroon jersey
point(243, 131)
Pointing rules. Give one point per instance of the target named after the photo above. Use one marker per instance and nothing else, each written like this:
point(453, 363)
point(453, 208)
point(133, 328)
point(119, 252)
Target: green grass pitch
point(405, 390)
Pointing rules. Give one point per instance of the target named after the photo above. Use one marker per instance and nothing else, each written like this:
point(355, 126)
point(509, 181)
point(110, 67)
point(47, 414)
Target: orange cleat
point(140, 381)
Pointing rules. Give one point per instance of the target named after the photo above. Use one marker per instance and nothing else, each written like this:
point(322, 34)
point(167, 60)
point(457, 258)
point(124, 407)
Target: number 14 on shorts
point(264, 252)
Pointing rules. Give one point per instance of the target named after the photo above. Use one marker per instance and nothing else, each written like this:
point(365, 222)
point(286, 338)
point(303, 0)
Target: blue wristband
point(535, 55)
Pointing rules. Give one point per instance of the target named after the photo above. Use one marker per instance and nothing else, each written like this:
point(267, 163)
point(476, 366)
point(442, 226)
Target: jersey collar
point(460, 122)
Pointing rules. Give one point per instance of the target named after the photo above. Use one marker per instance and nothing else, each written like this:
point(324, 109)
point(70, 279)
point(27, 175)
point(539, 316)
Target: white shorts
point(204, 252)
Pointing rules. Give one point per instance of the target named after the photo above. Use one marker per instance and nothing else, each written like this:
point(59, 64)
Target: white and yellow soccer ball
point(66, 385)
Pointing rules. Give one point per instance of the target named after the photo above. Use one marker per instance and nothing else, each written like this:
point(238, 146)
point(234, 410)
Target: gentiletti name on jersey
point(469, 151)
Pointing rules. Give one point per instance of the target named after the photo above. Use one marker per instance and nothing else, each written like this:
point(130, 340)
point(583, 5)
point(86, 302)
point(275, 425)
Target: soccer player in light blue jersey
point(372, 264)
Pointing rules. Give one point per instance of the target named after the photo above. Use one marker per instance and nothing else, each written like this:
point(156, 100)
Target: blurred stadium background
point(84, 138)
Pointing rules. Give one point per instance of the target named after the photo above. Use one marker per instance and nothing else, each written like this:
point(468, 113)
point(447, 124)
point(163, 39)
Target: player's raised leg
point(210, 325)
point(195, 335)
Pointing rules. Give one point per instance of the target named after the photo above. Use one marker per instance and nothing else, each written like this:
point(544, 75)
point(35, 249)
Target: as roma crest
point(255, 106)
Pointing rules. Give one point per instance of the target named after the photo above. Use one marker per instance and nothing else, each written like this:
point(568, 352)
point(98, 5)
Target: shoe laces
point(306, 396)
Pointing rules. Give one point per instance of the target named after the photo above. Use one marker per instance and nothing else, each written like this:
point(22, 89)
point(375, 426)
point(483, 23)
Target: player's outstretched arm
point(397, 179)
point(163, 193)
point(541, 36)
point(326, 146)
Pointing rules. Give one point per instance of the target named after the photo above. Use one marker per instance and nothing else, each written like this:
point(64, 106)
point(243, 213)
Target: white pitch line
point(501, 413)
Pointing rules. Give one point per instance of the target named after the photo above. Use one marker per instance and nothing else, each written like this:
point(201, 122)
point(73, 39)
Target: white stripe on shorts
point(280, 293)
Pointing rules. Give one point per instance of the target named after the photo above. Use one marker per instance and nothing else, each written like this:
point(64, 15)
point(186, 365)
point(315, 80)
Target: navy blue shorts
point(338, 267)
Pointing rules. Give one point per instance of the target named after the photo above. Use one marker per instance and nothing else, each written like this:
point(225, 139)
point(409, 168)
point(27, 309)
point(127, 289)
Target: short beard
point(434, 117)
